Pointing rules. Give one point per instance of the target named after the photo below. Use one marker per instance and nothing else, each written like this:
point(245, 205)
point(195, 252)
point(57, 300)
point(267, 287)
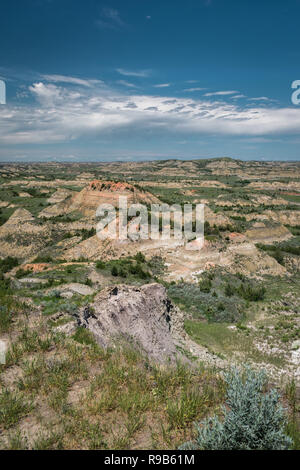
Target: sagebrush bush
point(252, 419)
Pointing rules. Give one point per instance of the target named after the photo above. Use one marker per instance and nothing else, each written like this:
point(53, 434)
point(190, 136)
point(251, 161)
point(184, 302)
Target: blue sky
point(145, 79)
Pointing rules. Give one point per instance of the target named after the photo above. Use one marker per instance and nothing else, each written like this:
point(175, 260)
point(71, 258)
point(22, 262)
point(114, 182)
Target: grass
point(291, 197)
point(13, 407)
point(278, 250)
point(33, 204)
point(219, 339)
point(62, 274)
point(184, 409)
point(10, 306)
point(293, 428)
point(121, 401)
point(83, 336)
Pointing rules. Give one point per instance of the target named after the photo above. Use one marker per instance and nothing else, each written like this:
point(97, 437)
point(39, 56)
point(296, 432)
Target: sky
point(92, 80)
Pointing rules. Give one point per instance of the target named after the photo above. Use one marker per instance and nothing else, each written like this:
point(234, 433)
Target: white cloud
point(125, 83)
point(221, 93)
point(131, 73)
point(46, 94)
point(191, 90)
point(261, 98)
point(162, 85)
point(62, 114)
point(238, 96)
point(71, 80)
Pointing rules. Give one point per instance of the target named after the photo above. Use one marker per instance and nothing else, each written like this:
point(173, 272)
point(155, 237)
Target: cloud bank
point(64, 109)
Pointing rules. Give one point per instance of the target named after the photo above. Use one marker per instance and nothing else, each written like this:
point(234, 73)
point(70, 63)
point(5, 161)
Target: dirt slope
point(20, 236)
point(100, 192)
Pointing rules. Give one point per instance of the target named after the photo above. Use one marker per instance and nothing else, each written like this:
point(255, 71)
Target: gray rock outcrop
point(144, 314)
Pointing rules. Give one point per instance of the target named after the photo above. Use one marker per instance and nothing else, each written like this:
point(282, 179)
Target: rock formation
point(144, 314)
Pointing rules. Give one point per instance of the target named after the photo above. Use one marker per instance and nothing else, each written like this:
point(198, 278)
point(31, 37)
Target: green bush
point(43, 259)
point(229, 290)
point(137, 270)
point(114, 271)
point(277, 254)
point(205, 285)
point(22, 273)
point(85, 234)
point(252, 419)
point(7, 264)
point(212, 305)
point(251, 292)
point(247, 290)
point(156, 265)
point(100, 265)
point(140, 258)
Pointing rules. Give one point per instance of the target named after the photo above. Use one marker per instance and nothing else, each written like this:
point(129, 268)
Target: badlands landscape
point(122, 344)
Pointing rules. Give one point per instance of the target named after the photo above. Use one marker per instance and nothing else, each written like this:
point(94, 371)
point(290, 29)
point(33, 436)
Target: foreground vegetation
point(61, 393)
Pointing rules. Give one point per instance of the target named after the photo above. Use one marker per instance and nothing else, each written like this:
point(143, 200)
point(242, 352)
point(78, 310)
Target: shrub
point(22, 273)
point(277, 254)
point(253, 420)
point(114, 271)
point(100, 265)
point(43, 259)
point(157, 265)
point(229, 290)
point(251, 292)
point(67, 236)
point(213, 305)
point(85, 234)
point(205, 285)
point(140, 258)
point(138, 271)
point(7, 264)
